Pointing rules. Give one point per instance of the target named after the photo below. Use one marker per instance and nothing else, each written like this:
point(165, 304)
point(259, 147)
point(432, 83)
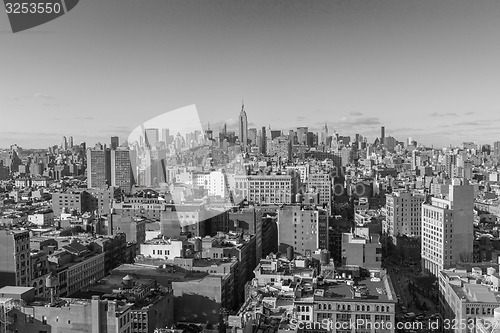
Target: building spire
point(242, 105)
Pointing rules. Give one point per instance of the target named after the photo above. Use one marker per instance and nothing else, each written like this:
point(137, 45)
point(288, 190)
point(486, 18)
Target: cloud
point(350, 123)
point(44, 96)
point(354, 113)
point(469, 113)
point(85, 118)
point(404, 130)
point(115, 129)
point(437, 114)
point(29, 134)
point(473, 123)
point(360, 121)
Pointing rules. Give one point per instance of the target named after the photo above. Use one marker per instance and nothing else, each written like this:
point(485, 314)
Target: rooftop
point(14, 290)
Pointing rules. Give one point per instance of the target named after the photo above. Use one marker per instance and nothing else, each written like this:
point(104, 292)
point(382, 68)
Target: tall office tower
point(302, 135)
point(305, 228)
point(496, 148)
point(324, 135)
point(415, 159)
point(151, 137)
point(64, 143)
point(263, 141)
point(252, 136)
point(98, 168)
point(404, 214)
point(321, 183)
point(382, 134)
point(115, 142)
point(447, 229)
point(468, 170)
point(121, 169)
point(70, 143)
point(14, 258)
point(450, 161)
point(243, 125)
point(165, 135)
point(291, 136)
point(311, 139)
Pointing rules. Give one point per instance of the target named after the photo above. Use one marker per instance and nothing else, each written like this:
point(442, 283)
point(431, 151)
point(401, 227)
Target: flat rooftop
point(14, 290)
point(475, 293)
point(366, 289)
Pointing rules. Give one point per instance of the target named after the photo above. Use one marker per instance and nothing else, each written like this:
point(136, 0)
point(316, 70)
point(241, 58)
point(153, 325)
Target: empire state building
point(243, 128)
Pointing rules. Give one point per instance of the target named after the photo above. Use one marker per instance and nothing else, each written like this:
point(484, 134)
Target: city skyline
point(193, 127)
point(425, 70)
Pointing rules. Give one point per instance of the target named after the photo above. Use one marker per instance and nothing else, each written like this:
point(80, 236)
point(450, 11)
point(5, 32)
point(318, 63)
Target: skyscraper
point(151, 137)
point(98, 168)
point(243, 127)
point(324, 134)
point(404, 214)
point(496, 148)
point(70, 143)
point(115, 142)
point(165, 135)
point(302, 135)
point(121, 169)
point(252, 136)
point(263, 141)
point(64, 143)
point(447, 229)
point(382, 134)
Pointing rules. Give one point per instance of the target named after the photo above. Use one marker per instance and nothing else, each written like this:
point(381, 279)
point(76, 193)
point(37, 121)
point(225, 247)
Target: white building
point(42, 218)
point(162, 248)
point(404, 213)
point(214, 182)
point(447, 229)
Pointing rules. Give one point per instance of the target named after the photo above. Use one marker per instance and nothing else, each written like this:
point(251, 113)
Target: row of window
point(357, 307)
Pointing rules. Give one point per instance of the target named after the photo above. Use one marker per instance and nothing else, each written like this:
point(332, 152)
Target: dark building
point(98, 168)
point(263, 141)
point(275, 134)
point(115, 142)
point(269, 235)
point(114, 249)
point(337, 227)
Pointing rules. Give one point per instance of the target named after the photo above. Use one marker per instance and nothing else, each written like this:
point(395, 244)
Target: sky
point(424, 69)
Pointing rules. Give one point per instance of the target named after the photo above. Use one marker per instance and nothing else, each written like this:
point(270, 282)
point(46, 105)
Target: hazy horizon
point(422, 69)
